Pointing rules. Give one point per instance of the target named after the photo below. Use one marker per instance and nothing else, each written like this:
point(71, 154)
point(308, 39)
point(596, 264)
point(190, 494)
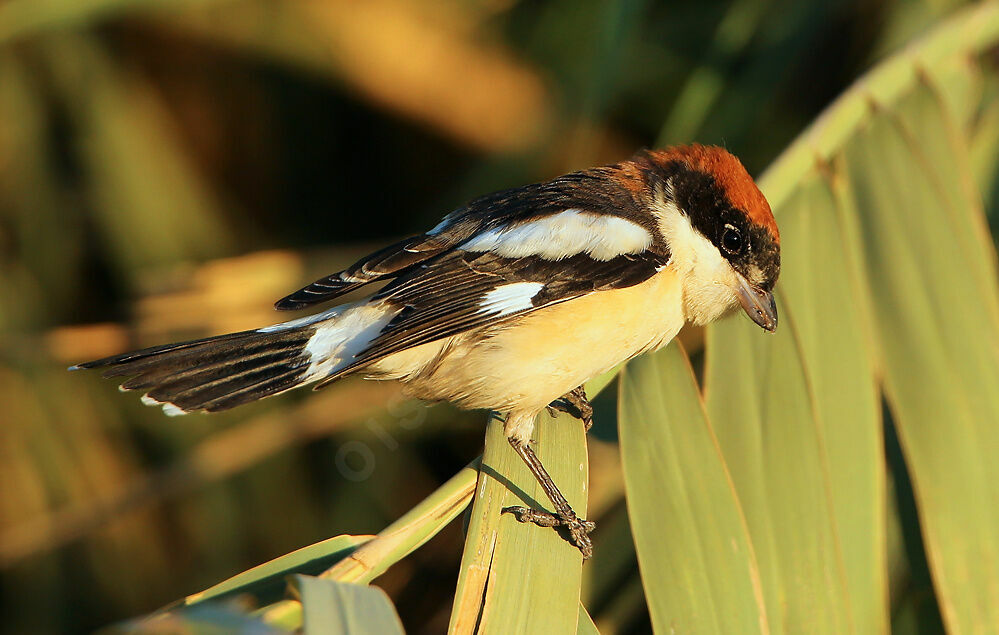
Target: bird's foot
point(574, 403)
point(579, 529)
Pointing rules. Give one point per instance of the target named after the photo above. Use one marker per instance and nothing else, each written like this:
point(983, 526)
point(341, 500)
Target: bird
point(511, 303)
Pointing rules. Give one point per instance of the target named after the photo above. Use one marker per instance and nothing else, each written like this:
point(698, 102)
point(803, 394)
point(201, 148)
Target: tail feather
point(221, 372)
point(205, 371)
point(199, 388)
point(265, 387)
point(216, 373)
point(136, 358)
point(205, 390)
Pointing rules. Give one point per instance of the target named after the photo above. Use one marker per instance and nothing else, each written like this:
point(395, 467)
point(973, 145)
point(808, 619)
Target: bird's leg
point(576, 404)
point(564, 516)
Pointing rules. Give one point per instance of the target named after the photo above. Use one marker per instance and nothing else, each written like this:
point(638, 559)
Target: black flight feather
point(215, 373)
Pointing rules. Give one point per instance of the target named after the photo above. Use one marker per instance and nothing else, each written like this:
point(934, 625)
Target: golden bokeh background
point(169, 169)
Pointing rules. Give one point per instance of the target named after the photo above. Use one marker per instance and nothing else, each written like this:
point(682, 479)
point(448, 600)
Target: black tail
point(216, 373)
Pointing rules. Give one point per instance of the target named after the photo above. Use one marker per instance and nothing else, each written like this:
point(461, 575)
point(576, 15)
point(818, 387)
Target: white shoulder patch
point(565, 234)
point(510, 298)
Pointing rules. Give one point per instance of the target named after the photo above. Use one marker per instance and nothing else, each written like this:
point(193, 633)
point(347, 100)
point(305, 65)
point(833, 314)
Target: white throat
point(709, 281)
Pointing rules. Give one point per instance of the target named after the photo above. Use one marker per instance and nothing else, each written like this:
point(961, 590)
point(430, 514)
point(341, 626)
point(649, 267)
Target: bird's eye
point(731, 240)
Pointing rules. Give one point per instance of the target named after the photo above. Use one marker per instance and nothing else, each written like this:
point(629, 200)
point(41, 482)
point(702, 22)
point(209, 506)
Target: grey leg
point(564, 515)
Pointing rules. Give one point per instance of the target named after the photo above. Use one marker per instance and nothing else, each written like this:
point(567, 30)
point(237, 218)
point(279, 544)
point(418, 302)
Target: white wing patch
point(565, 234)
point(340, 340)
point(342, 333)
point(510, 298)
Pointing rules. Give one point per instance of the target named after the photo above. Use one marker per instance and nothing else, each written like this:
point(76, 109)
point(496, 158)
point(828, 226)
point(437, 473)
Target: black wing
point(449, 294)
point(586, 190)
point(385, 263)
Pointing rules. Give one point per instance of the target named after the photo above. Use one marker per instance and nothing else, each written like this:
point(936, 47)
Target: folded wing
point(461, 291)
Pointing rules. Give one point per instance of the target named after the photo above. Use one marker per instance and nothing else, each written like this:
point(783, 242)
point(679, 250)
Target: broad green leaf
point(696, 560)
point(927, 127)
point(797, 414)
point(268, 580)
point(515, 577)
point(339, 608)
point(759, 405)
point(824, 317)
point(932, 283)
point(798, 419)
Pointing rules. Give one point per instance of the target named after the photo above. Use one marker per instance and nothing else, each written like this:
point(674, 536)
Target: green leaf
point(335, 608)
point(267, 581)
point(824, 313)
point(517, 577)
point(584, 624)
point(697, 564)
point(931, 277)
point(798, 419)
point(207, 619)
point(407, 534)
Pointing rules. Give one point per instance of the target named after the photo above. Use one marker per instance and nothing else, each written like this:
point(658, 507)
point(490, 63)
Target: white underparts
point(565, 234)
point(510, 298)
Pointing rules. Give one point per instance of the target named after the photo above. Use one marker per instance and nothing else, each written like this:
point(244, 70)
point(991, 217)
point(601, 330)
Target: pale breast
point(526, 363)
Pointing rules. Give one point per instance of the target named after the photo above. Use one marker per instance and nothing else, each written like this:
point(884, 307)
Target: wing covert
point(460, 291)
point(384, 263)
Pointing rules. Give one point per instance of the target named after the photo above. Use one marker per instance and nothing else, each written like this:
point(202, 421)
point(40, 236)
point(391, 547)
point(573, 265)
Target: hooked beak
point(758, 304)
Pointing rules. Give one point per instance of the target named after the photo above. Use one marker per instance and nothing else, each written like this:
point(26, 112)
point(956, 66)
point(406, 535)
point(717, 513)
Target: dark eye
point(731, 240)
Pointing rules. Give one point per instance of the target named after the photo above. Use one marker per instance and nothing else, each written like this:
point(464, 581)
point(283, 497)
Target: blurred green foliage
point(168, 169)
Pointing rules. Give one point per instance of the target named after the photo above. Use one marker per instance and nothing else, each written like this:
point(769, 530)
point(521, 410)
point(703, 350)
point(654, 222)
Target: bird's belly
point(526, 363)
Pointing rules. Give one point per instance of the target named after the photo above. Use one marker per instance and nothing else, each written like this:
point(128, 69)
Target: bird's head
point(722, 236)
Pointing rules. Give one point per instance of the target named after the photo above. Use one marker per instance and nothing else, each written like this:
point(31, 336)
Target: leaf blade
point(338, 608)
point(703, 577)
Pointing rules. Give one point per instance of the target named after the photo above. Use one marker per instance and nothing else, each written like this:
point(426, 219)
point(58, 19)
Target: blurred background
point(169, 169)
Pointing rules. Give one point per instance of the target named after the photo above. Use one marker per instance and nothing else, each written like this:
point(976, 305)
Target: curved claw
point(579, 529)
point(574, 403)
